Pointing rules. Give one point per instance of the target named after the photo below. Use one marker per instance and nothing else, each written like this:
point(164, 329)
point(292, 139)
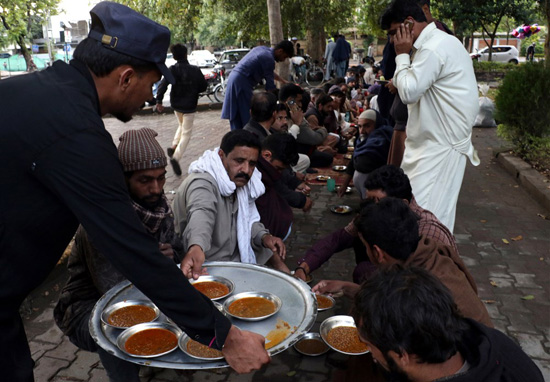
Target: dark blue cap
point(126, 31)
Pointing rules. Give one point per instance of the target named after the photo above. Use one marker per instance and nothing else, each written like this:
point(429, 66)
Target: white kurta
point(440, 89)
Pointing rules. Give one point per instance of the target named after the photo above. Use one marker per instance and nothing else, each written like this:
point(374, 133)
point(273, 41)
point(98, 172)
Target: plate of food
point(340, 333)
point(341, 209)
point(213, 287)
point(339, 168)
point(324, 302)
point(252, 306)
point(128, 313)
point(311, 344)
point(348, 156)
point(323, 178)
point(149, 340)
point(382, 82)
point(197, 350)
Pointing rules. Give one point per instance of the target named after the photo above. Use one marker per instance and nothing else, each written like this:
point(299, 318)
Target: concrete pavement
point(500, 232)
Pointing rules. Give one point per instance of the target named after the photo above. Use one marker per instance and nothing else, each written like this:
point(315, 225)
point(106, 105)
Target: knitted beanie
point(139, 150)
point(368, 114)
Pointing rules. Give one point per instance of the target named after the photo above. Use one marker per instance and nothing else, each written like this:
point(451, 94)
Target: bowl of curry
point(197, 350)
point(340, 333)
point(311, 344)
point(213, 287)
point(128, 313)
point(324, 302)
point(149, 340)
point(252, 306)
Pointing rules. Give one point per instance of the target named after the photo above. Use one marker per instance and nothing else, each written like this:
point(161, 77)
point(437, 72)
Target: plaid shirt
point(431, 227)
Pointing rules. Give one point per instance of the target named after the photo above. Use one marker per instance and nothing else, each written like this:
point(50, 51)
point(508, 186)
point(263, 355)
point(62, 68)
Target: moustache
point(242, 175)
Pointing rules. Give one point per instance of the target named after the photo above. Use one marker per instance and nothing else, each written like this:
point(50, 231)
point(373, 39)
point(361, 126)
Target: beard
point(150, 202)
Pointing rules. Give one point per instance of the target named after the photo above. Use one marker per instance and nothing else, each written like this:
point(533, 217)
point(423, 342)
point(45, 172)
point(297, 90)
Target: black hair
point(289, 90)
point(399, 10)
point(102, 61)
point(262, 106)
point(421, 3)
point(409, 309)
point(280, 107)
point(316, 92)
point(239, 138)
point(391, 225)
point(339, 81)
point(392, 180)
point(179, 52)
point(286, 46)
point(323, 100)
point(283, 147)
point(306, 99)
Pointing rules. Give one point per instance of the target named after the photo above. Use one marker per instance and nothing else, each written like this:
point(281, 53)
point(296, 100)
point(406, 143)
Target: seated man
point(323, 108)
point(262, 114)
point(413, 329)
point(371, 150)
point(91, 274)
point(279, 151)
point(218, 194)
point(389, 231)
point(308, 138)
point(385, 181)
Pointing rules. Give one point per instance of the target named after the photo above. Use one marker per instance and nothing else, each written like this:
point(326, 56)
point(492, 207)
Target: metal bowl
point(339, 168)
point(125, 335)
point(323, 178)
point(314, 337)
point(351, 149)
point(222, 280)
point(341, 209)
point(319, 309)
point(112, 308)
point(348, 189)
point(268, 296)
point(333, 322)
point(182, 343)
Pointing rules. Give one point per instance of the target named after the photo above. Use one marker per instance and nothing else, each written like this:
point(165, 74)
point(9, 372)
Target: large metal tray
point(299, 310)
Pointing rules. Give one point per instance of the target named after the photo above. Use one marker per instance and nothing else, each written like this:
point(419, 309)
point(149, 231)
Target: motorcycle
point(216, 85)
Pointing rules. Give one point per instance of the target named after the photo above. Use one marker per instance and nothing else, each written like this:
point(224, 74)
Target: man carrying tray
point(61, 169)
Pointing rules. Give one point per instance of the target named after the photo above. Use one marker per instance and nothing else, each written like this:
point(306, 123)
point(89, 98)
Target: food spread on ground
point(212, 289)
point(202, 351)
point(346, 339)
point(252, 307)
point(131, 315)
point(151, 341)
point(323, 177)
point(323, 302)
point(278, 335)
point(311, 346)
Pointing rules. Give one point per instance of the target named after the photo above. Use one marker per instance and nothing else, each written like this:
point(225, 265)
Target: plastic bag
point(486, 109)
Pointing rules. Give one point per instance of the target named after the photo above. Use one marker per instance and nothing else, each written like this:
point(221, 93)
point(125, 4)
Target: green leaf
point(528, 297)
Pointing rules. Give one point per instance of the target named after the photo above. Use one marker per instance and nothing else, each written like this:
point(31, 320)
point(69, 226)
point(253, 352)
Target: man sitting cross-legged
point(219, 193)
point(91, 274)
point(414, 330)
point(389, 231)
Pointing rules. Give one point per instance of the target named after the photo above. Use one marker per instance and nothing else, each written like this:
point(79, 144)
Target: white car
point(202, 58)
point(501, 53)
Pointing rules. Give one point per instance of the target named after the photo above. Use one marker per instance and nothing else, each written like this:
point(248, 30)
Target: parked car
point(202, 59)
point(230, 58)
point(501, 53)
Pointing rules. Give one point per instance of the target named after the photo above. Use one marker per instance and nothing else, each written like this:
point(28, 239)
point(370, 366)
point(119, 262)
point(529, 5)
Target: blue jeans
point(341, 69)
point(117, 369)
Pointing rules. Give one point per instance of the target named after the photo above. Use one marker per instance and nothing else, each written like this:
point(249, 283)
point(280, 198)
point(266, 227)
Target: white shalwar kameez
point(440, 89)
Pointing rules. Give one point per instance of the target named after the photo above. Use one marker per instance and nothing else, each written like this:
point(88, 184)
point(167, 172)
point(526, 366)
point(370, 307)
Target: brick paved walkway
point(491, 208)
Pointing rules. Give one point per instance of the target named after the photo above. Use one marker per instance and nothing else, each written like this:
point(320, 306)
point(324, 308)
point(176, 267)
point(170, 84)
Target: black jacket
point(61, 168)
point(185, 92)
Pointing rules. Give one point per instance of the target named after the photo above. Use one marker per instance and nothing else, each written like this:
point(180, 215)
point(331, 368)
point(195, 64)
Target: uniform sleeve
point(83, 171)
point(414, 79)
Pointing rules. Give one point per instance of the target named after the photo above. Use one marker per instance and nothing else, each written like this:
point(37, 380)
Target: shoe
point(175, 166)
point(170, 151)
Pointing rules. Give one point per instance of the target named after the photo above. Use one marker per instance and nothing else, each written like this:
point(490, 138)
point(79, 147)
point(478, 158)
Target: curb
point(148, 110)
point(530, 179)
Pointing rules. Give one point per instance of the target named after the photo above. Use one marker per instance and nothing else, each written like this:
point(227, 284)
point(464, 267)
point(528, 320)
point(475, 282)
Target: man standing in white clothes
point(329, 61)
point(435, 78)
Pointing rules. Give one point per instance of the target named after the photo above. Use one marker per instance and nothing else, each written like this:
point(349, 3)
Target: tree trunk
point(316, 38)
point(276, 35)
point(26, 54)
point(546, 7)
